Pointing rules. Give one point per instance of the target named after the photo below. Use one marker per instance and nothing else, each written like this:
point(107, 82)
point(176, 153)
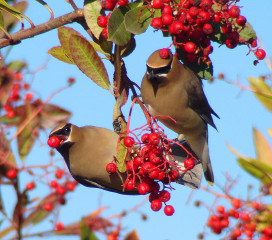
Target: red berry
point(230, 43)
point(130, 184)
point(70, 186)
point(176, 27)
point(156, 23)
point(208, 50)
point(53, 142)
point(111, 168)
point(11, 114)
point(241, 21)
point(207, 28)
point(268, 231)
point(147, 166)
point(105, 33)
point(48, 207)
point(122, 2)
point(173, 174)
point(226, 28)
point(237, 232)
point(190, 47)
point(220, 209)
point(161, 175)
point(168, 210)
point(28, 96)
point(217, 18)
point(164, 53)
point(245, 217)
point(30, 186)
point(255, 205)
point(7, 107)
point(156, 205)
point(145, 137)
point(236, 203)
point(71, 80)
point(129, 141)
point(206, 4)
point(153, 174)
point(59, 174)
point(260, 54)
point(164, 196)
point(60, 190)
point(18, 76)
point(131, 166)
point(167, 9)
point(157, 4)
point(138, 161)
point(59, 226)
point(154, 138)
point(204, 16)
point(108, 5)
point(167, 19)
point(54, 184)
point(193, 11)
point(143, 188)
point(26, 86)
point(189, 163)
point(234, 12)
point(102, 21)
point(11, 174)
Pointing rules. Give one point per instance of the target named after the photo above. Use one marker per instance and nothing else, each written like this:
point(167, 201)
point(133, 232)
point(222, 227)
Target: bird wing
point(198, 101)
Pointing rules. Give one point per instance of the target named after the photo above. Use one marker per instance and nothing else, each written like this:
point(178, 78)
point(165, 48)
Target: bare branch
point(42, 28)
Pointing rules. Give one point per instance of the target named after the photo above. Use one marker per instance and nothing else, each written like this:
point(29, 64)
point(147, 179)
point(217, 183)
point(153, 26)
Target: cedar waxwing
point(171, 89)
point(87, 150)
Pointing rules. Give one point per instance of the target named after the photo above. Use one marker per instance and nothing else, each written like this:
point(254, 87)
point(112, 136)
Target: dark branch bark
point(44, 27)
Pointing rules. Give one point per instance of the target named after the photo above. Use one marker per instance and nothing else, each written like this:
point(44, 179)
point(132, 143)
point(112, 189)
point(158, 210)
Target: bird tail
point(200, 147)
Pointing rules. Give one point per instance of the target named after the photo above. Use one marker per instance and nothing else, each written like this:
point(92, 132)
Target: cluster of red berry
point(151, 163)
point(193, 25)
point(16, 91)
point(246, 223)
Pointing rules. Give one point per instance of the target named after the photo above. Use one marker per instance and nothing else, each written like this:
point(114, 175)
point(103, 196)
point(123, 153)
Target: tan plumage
point(171, 89)
point(87, 150)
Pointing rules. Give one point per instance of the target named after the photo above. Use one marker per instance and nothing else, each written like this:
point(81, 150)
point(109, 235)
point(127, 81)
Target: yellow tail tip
point(211, 183)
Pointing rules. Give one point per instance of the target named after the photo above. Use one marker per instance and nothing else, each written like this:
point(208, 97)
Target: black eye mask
point(161, 70)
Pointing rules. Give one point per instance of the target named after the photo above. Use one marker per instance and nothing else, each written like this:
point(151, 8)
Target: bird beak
point(61, 137)
point(150, 75)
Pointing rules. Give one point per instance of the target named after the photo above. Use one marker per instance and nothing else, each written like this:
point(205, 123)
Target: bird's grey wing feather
point(198, 101)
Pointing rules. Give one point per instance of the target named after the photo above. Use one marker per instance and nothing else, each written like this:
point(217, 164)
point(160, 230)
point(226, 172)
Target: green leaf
point(52, 115)
point(92, 10)
point(262, 148)
point(27, 138)
point(138, 19)
point(257, 169)
point(86, 233)
point(248, 32)
point(203, 70)
point(122, 155)
point(88, 61)
point(4, 6)
point(17, 66)
point(11, 20)
point(262, 91)
point(60, 54)
point(116, 25)
point(64, 34)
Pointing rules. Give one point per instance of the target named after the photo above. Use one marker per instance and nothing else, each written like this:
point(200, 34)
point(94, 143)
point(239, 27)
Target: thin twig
point(42, 28)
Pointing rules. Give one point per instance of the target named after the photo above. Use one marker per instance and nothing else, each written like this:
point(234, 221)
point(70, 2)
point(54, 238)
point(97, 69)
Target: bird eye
point(67, 130)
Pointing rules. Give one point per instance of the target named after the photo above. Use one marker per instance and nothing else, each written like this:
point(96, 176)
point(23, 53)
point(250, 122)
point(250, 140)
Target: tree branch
point(44, 27)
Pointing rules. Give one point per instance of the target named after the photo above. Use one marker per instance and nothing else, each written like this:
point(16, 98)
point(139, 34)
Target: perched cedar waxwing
point(87, 150)
point(171, 89)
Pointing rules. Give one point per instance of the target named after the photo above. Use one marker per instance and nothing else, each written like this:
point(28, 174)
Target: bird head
point(157, 69)
point(64, 133)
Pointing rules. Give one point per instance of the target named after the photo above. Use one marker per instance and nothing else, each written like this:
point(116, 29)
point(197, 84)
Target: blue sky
point(91, 105)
